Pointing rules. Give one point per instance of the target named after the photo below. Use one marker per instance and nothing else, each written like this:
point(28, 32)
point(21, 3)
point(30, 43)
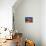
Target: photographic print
point(28, 19)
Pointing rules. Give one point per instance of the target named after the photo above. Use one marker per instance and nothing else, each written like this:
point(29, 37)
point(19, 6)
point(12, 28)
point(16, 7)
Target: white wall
point(43, 22)
point(30, 8)
point(6, 13)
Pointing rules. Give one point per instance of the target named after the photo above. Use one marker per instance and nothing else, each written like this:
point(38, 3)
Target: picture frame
point(28, 19)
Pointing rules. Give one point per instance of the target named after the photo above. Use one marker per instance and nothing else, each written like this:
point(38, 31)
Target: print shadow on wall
point(28, 19)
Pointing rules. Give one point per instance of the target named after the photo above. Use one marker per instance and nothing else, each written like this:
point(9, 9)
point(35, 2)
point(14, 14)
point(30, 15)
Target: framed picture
point(28, 19)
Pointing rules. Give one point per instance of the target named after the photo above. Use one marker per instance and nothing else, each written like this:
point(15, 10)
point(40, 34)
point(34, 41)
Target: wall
point(6, 13)
point(43, 22)
point(30, 8)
